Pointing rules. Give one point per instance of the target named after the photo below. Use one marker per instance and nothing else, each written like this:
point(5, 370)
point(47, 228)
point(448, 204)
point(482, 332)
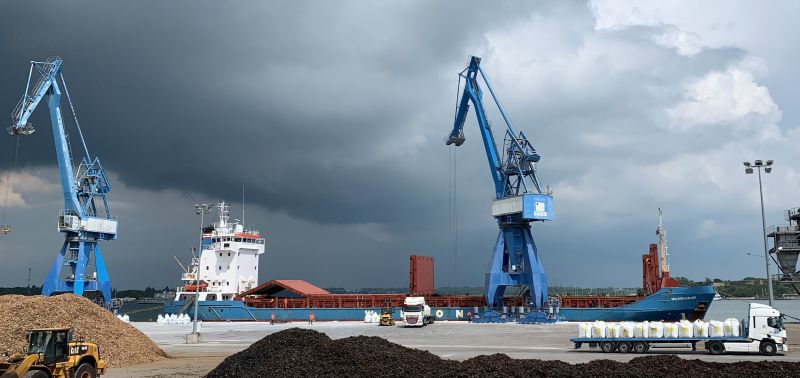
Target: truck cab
point(415, 312)
point(765, 332)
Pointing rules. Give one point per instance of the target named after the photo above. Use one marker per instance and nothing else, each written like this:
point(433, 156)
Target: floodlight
point(746, 164)
point(768, 169)
point(769, 162)
point(758, 163)
point(748, 170)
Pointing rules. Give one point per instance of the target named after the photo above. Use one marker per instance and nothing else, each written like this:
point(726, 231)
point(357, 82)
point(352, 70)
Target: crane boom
point(86, 218)
point(519, 199)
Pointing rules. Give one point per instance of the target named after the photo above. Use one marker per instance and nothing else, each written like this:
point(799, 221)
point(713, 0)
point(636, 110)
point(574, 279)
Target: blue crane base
point(68, 274)
point(516, 263)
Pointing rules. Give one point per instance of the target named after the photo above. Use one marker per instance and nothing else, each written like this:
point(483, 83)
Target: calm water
point(734, 308)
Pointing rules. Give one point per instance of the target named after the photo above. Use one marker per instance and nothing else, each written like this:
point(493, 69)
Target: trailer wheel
point(624, 347)
point(768, 348)
point(715, 347)
point(640, 347)
point(607, 346)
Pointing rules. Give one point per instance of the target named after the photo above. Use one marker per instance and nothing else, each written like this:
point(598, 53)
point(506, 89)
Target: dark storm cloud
point(333, 116)
point(297, 101)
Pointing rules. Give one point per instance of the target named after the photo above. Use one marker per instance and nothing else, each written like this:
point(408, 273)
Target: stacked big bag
point(173, 319)
point(668, 330)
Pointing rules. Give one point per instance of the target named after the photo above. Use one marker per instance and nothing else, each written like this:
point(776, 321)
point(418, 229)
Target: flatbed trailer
point(762, 332)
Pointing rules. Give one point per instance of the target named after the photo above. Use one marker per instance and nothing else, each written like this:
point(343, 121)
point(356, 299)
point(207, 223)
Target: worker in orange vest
point(272, 318)
point(311, 318)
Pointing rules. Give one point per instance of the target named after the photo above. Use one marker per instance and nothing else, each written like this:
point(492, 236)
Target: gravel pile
point(120, 343)
point(307, 353)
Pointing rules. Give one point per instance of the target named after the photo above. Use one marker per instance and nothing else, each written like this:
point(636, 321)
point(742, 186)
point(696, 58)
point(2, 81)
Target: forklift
point(52, 353)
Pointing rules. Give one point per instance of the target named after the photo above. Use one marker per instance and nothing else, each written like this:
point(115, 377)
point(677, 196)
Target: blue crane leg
point(80, 268)
point(51, 283)
point(515, 248)
point(103, 281)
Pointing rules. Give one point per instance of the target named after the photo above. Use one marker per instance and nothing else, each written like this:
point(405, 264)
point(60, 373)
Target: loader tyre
point(768, 348)
point(85, 371)
point(36, 374)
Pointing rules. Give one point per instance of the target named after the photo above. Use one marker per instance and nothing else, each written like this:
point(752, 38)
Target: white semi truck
point(416, 313)
point(761, 332)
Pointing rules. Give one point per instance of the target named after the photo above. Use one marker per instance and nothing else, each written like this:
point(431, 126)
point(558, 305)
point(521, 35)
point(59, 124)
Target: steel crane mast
point(85, 219)
point(519, 199)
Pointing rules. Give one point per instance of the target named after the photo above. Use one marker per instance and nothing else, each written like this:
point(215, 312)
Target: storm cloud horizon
point(332, 116)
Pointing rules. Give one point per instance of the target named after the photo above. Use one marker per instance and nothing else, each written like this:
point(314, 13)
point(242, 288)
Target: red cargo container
point(421, 276)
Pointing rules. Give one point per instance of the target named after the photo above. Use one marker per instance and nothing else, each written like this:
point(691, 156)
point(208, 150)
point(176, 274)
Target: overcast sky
point(333, 116)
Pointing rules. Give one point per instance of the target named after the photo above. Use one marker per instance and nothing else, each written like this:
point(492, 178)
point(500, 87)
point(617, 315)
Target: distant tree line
point(21, 290)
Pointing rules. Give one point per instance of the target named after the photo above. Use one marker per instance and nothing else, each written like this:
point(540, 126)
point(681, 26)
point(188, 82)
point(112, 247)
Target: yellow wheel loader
point(386, 319)
point(52, 353)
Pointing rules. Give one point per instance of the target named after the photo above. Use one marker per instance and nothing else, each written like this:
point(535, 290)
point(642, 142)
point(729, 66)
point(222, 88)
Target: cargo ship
point(224, 277)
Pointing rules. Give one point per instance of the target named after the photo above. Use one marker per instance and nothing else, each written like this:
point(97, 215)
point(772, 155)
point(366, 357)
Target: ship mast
point(662, 242)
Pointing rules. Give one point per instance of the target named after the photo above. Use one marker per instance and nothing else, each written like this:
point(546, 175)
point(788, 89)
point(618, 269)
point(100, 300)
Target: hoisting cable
point(4, 227)
point(453, 208)
point(450, 210)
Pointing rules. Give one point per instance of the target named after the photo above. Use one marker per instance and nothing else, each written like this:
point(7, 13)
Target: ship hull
point(237, 311)
point(668, 304)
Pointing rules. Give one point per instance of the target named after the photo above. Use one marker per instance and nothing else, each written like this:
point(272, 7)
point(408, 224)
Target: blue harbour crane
point(85, 220)
point(519, 198)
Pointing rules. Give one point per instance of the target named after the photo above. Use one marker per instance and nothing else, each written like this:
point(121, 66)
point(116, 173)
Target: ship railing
point(362, 301)
point(782, 228)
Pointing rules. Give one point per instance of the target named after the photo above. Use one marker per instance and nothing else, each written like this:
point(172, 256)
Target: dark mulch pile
point(307, 353)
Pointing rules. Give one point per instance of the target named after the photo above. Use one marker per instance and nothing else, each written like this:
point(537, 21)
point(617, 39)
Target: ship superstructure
point(228, 261)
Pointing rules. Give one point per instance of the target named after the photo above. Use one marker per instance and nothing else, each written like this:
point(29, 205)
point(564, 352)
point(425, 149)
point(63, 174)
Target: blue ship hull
point(237, 311)
point(666, 304)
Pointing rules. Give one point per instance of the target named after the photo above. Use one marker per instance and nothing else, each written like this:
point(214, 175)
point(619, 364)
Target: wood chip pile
point(120, 343)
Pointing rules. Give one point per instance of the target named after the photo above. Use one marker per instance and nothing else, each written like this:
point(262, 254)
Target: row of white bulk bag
point(668, 330)
point(173, 319)
point(371, 316)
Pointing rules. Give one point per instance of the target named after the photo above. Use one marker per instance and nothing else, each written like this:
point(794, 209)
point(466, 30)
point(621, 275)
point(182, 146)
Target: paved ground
point(453, 340)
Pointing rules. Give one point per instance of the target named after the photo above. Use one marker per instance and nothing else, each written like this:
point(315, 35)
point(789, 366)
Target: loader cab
point(51, 344)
